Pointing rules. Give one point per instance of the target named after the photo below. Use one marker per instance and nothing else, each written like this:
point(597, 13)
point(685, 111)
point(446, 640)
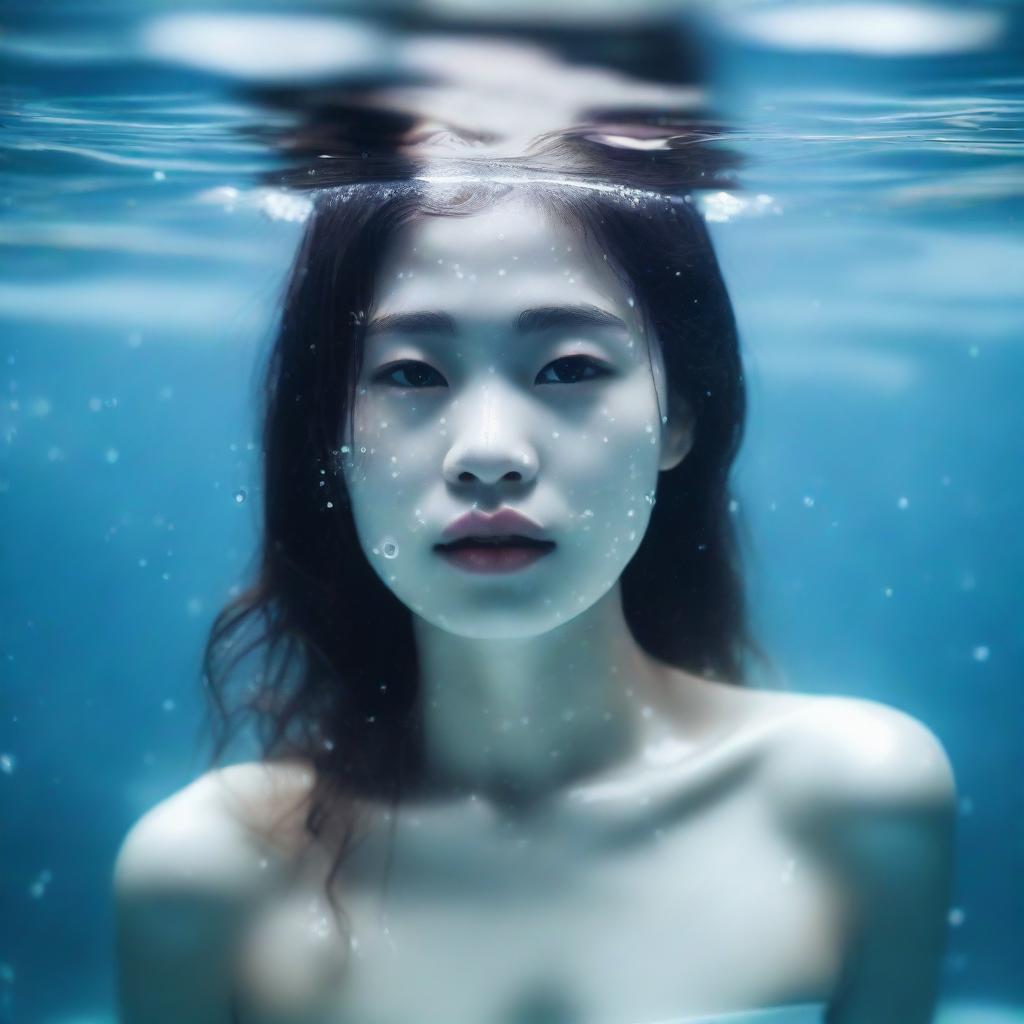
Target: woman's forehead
point(513, 221)
point(511, 255)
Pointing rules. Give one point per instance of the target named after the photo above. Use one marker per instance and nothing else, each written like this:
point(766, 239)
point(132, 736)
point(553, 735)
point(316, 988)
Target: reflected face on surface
point(505, 366)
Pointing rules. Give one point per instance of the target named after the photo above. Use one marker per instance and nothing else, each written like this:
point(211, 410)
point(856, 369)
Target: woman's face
point(504, 367)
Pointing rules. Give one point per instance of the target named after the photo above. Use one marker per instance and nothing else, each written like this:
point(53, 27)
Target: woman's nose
point(489, 440)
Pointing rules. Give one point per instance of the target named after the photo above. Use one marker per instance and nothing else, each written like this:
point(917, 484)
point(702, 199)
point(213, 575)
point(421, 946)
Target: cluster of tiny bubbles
point(318, 921)
point(37, 890)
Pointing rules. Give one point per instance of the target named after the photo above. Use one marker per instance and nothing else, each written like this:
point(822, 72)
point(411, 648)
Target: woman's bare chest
point(519, 922)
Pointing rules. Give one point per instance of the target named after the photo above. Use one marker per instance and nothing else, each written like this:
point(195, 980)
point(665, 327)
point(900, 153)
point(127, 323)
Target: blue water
point(875, 260)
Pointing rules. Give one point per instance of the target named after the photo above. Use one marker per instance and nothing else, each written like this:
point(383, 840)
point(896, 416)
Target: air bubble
point(389, 548)
point(38, 888)
point(240, 495)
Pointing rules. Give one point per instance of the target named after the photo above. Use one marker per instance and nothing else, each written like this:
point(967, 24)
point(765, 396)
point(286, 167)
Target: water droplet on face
point(389, 548)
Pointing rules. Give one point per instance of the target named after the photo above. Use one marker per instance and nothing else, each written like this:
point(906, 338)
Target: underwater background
point(872, 247)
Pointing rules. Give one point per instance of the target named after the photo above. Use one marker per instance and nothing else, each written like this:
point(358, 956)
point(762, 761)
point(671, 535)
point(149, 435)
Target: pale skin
point(599, 837)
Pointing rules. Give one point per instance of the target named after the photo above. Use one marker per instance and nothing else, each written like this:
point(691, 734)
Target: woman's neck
point(518, 719)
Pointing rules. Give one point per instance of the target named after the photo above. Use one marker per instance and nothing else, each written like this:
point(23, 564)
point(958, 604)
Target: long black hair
point(337, 681)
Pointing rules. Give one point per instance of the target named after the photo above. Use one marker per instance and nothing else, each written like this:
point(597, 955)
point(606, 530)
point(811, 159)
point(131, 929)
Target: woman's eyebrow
point(539, 318)
point(546, 318)
point(425, 322)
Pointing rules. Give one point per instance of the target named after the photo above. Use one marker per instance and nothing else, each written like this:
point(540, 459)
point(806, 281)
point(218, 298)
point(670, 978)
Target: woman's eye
point(571, 370)
point(416, 375)
point(567, 370)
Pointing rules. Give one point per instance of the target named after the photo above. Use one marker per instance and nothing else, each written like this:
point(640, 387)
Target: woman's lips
point(488, 557)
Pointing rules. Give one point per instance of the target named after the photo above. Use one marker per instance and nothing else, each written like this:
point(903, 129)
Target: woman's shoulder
point(853, 753)
point(188, 875)
point(224, 832)
point(818, 751)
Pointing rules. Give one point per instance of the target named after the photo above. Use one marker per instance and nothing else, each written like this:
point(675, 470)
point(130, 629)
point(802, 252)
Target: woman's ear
point(677, 434)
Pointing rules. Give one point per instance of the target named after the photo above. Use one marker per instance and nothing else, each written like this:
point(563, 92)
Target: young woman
point(511, 774)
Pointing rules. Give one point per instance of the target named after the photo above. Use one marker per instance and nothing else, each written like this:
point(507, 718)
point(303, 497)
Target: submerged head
point(506, 364)
point(561, 349)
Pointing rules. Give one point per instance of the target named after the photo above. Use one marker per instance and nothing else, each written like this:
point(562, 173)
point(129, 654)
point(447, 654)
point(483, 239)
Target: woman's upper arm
point(872, 791)
point(184, 882)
